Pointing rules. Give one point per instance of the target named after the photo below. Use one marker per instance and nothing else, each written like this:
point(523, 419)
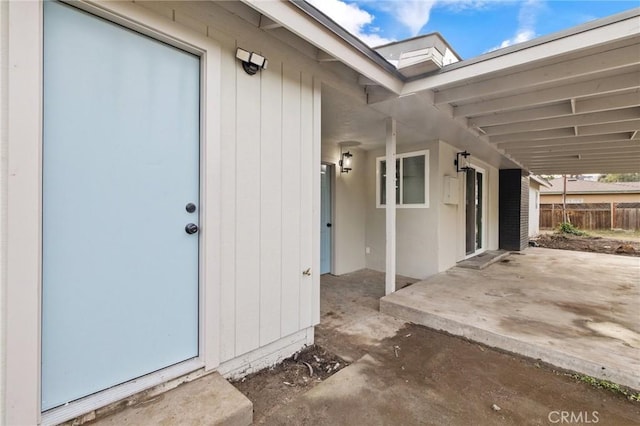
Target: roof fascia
point(593, 34)
point(316, 28)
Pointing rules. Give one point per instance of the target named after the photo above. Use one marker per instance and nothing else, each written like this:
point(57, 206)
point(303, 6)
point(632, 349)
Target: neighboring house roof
point(590, 187)
point(540, 180)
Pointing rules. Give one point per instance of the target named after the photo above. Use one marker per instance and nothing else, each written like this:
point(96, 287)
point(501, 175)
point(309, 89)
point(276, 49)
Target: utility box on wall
point(514, 209)
point(450, 190)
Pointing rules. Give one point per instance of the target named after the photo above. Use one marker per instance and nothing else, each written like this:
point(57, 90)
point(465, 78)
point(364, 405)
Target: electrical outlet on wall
point(367, 250)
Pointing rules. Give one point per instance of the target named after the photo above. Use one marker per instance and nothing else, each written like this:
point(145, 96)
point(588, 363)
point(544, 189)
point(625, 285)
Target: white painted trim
point(424, 205)
point(332, 170)
point(390, 208)
point(331, 176)
point(87, 404)
point(25, 193)
point(316, 154)
point(24, 225)
point(485, 205)
point(266, 356)
point(210, 202)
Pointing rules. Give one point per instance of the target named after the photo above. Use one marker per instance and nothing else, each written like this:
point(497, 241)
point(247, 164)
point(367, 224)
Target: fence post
point(613, 215)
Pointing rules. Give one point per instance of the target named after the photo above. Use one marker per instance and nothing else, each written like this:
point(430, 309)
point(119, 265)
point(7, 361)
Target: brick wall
point(513, 210)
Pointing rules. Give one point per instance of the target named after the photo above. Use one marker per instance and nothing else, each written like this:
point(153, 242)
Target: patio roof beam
point(592, 165)
point(590, 156)
point(553, 94)
point(562, 109)
point(268, 24)
point(572, 140)
point(602, 129)
point(604, 147)
point(586, 65)
point(583, 170)
point(568, 121)
point(617, 101)
point(592, 130)
point(548, 111)
point(602, 153)
point(535, 135)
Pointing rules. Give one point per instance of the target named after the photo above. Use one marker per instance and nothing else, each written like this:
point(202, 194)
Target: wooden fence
point(593, 216)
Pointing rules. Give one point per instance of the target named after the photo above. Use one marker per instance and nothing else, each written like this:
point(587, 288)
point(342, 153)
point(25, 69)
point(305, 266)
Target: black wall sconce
point(462, 161)
point(345, 162)
point(251, 61)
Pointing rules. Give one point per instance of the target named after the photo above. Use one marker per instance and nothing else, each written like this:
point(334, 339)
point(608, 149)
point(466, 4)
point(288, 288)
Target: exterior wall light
point(462, 162)
point(345, 162)
point(251, 61)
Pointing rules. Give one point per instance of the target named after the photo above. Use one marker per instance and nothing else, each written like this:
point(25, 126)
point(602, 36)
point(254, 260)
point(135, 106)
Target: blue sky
point(471, 27)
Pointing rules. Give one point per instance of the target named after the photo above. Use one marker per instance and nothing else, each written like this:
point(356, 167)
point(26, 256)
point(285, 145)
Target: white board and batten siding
point(266, 139)
point(270, 129)
point(267, 238)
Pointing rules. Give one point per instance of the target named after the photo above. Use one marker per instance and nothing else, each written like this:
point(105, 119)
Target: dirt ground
point(406, 374)
point(445, 380)
point(271, 388)
point(588, 243)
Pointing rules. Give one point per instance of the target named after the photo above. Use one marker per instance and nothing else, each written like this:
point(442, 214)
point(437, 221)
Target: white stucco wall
point(429, 240)
point(416, 228)
point(451, 236)
point(349, 209)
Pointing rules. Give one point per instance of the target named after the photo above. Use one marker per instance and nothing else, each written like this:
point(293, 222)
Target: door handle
point(328, 225)
point(191, 228)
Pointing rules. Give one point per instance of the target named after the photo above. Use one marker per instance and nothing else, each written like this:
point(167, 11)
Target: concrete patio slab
point(575, 310)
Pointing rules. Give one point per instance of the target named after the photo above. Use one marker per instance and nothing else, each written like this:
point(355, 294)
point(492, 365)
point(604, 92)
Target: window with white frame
point(412, 180)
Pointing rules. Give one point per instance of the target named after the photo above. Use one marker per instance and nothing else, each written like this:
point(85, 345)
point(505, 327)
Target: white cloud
point(527, 18)
point(414, 14)
point(373, 40)
point(460, 5)
point(352, 19)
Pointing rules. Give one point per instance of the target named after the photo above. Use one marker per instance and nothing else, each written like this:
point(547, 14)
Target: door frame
point(23, 276)
point(331, 170)
point(485, 180)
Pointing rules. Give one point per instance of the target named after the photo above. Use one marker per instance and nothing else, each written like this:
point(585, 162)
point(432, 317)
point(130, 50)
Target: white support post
point(390, 209)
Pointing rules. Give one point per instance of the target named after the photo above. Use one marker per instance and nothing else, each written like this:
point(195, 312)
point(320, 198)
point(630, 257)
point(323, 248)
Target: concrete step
point(483, 260)
point(209, 400)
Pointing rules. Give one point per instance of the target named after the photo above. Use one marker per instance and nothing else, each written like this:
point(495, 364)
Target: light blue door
point(325, 219)
point(120, 165)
